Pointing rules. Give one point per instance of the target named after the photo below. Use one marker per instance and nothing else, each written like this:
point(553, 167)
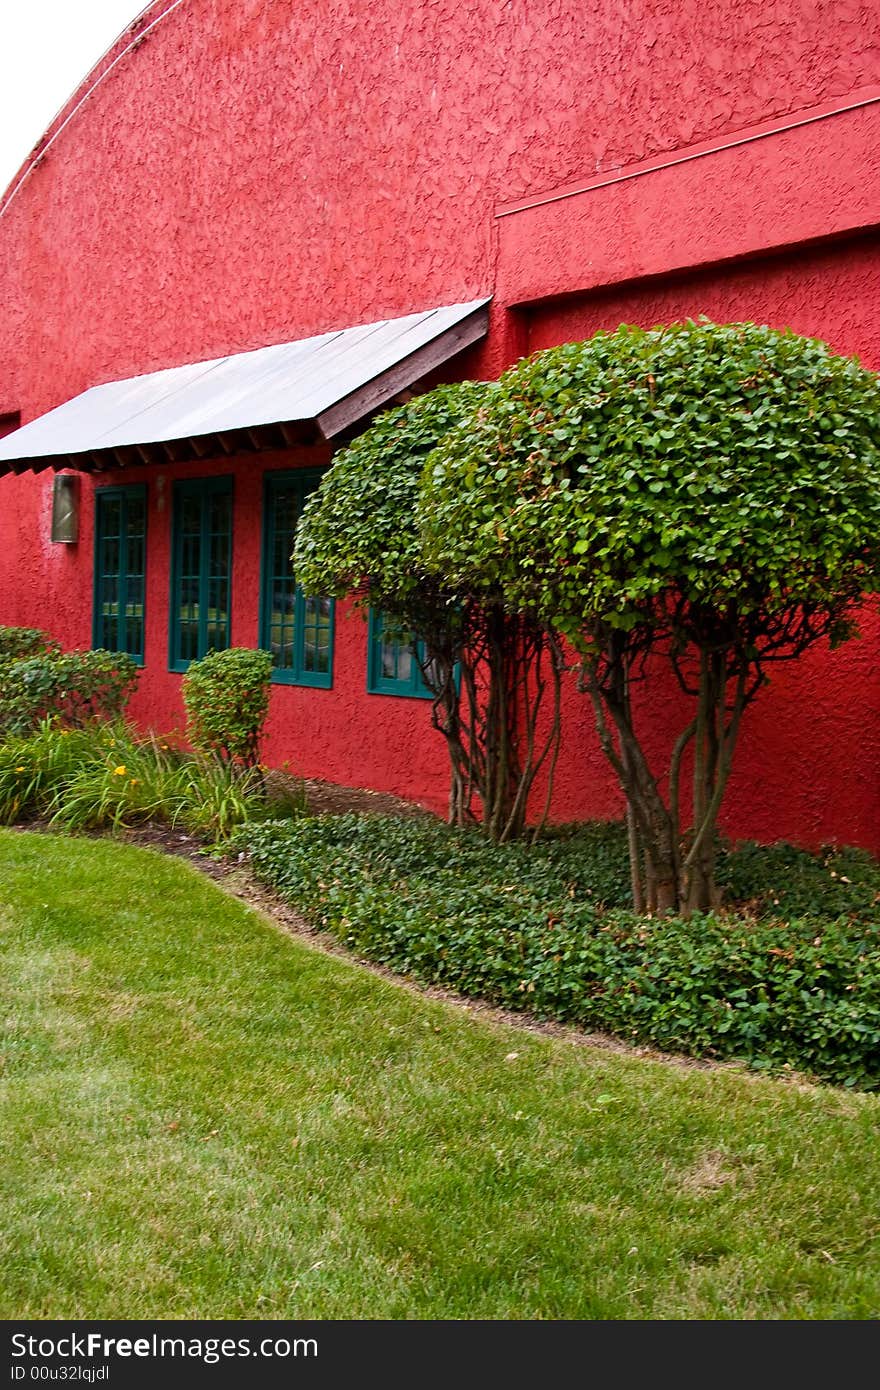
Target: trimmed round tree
point(705, 494)
point(486, 669)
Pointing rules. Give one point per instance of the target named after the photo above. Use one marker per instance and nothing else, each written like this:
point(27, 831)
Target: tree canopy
point(706, 493)
point(719, 464)
point(485, 667)
point(358, 532)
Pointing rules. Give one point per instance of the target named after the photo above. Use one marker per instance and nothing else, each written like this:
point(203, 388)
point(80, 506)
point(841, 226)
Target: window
point(296, 629)
point(201, 568)
point(392, 669)
point(120, 561)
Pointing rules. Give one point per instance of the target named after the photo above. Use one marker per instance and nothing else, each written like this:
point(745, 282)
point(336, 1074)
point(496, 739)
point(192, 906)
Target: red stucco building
point(238, 175)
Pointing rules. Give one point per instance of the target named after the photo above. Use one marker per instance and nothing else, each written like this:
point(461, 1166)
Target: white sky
point(47, 48)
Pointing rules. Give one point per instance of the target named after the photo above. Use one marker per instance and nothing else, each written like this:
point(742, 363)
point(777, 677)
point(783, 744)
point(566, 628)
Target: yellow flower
point(135, 781)
point(119, 771)
point(21, 769)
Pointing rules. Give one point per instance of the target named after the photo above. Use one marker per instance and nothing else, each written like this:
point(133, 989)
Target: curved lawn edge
point(204, 1118)
point(488, 922)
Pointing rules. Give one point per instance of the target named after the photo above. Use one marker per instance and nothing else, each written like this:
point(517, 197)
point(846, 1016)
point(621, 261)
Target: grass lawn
point(204, 1118)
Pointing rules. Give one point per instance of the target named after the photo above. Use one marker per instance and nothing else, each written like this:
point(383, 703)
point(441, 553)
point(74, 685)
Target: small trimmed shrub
point(226, 696)
point(72, 687)
point(526, 929)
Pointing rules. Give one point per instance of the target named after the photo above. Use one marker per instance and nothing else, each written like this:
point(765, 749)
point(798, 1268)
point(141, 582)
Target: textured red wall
point(811, 175)
point(255, 171)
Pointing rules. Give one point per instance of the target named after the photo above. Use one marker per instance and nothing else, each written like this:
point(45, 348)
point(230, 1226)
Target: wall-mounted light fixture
point(65, 508)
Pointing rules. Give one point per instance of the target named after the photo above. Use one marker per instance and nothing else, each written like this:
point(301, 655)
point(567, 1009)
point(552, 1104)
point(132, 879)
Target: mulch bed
point(328, 798)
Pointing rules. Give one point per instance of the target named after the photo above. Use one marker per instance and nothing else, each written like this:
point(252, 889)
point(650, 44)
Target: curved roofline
point(128, 39)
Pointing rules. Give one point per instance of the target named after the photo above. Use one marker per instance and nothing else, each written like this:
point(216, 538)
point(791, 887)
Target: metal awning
point(245, 402)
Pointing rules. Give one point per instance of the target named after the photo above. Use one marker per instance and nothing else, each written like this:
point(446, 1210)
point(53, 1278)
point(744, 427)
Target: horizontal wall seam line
point(685, 158)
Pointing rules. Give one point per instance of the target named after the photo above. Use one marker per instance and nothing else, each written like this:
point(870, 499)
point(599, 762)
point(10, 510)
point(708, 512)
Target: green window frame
point(119, 598)
point(201, 570)
point(392, 667)
point(295, 628)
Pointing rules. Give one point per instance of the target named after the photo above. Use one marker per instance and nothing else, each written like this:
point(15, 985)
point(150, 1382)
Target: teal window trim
point(128, 575)
point(205, 489)
point(411, 684)
point(303, 619)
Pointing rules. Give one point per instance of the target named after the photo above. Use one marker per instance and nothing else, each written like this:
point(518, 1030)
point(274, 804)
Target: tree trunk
point(653, 824)
point(489, 719)
point(719, 742)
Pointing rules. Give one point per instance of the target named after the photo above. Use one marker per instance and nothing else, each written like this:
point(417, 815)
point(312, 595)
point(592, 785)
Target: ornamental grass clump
point(34, 765)
point(127, 781)
point(109, 777)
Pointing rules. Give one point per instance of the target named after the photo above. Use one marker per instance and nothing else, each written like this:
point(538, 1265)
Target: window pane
point(218, 513)
point(281, 645)
point(393, 665)
point(395, 657)
point(111, 516)
point(432, 676)
point(191, 515)
point(203, 546)
point(283, 512)
point(136, 515)
point(404, 664)
point(109, 604)
point(388, 651)
point(218, 587)
point(120, 559)
point(188, 618)
point(295, 629)
point(316, 635)
point(111, 556)
point(134, 556)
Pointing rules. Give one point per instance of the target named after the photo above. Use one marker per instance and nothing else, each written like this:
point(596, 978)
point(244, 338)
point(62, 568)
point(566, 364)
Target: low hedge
point(18, 642)
point(72, 687)
point(544, 928)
